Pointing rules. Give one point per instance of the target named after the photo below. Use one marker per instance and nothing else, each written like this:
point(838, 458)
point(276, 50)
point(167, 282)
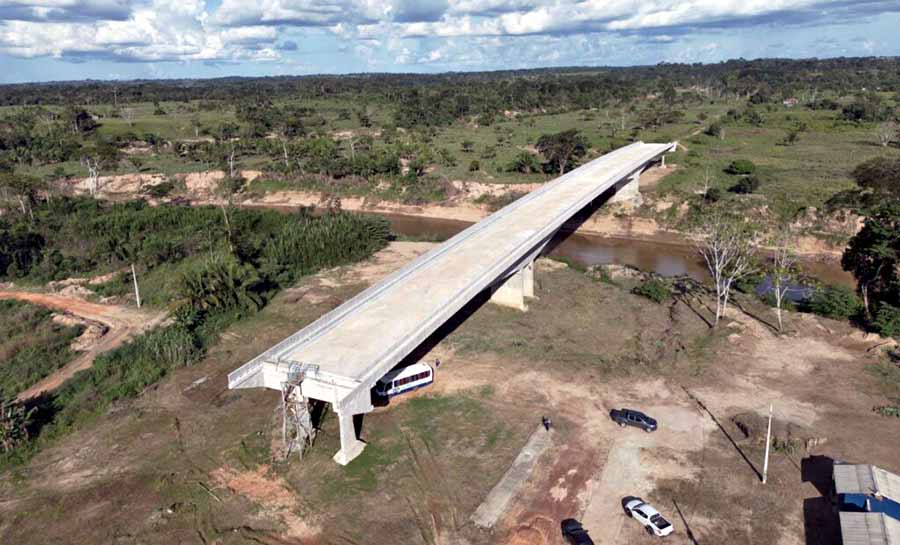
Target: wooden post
point(137, 292)
point(768, 443)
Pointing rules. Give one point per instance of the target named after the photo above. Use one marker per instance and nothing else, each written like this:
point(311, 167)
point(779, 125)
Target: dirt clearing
point(114, 325)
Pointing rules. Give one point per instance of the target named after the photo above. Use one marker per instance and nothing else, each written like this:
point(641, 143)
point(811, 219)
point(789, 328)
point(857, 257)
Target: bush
point(474, 166)
point(741, 167)
point(161, 190)
point(655, 289)
point(714, 129)
point(712, 195)
point(746, 185)
point(887, 320)
point(838, 302)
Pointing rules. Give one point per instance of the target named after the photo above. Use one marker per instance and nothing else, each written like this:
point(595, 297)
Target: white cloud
point(65, 10)
point(160, 30)
point(437, 32)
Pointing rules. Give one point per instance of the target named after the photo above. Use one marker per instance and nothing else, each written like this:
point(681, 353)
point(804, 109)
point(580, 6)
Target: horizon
point(43, 41)
point(445, 73)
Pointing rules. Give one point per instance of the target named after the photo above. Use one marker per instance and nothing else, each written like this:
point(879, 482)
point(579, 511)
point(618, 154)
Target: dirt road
point(119, 324)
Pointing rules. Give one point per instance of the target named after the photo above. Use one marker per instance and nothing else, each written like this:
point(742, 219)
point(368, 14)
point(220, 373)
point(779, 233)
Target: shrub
point(741, 167)
point(712, 195)
point(747, 184)
point(714, 129)
point(474, 166)
point(161, 190)
point(655, 289)
point(887, 320)
point(838, 302)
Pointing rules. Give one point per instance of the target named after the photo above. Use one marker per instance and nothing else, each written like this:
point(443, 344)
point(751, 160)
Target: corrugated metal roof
point(866, 479)
point(869, 529)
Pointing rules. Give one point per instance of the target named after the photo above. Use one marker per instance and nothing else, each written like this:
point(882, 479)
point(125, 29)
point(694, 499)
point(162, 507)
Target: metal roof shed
point(866, 479)
point(869, 529)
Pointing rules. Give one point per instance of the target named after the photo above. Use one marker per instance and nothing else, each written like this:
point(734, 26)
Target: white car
point(649, 517)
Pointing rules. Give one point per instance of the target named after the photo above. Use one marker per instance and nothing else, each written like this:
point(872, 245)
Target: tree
point(562, 148)
point(24, 188)
point(741, 167)
point(525, 163)
point(880, 176)
point(887, 132)
point(14, 422)
point(782, 271)
point(873, 257)
point(97, 158)
point(727, 247)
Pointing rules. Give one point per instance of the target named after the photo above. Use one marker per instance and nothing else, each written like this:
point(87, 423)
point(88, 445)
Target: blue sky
point(43, 40)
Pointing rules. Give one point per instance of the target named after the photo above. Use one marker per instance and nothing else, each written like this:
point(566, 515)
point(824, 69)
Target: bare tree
point(727, 248)
point(782, 271)
point(128, 114)
point(887, 132)
point(231, 161)
point(92, 164)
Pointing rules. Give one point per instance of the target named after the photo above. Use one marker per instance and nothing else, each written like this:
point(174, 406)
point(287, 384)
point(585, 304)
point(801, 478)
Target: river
point(666, 259)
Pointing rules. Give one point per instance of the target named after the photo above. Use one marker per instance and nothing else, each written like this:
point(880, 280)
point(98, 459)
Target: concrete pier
point(514, 290)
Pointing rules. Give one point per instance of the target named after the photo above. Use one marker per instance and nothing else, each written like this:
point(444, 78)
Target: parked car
point(574, 533)
point(649, 517)
point(630, 417)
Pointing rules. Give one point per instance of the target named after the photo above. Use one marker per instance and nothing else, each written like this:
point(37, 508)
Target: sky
point(51, 40)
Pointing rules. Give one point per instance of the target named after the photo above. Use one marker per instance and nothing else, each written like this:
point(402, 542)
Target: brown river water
point(663, 258)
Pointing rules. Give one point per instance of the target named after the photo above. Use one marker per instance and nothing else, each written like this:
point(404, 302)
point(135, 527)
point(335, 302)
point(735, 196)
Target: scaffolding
point(297, 429)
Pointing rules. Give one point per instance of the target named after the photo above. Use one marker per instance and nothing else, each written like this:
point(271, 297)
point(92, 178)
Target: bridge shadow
point(419, 353)
point(441, 333)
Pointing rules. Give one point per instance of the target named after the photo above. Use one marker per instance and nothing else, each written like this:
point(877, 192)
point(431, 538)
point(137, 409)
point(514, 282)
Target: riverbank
point(621, 223)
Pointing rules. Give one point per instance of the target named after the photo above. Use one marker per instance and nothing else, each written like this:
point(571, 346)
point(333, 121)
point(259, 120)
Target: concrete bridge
point(342, 355)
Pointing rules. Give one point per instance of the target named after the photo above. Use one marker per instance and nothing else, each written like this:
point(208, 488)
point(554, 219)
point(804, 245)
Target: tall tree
point(873, 256)
point(562, 148)
point(782, 271)
point(727, 247)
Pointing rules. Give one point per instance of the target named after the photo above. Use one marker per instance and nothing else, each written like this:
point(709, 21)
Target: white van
point(404, 379)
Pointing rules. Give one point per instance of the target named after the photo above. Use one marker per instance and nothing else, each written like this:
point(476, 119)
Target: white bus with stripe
point(404, 379)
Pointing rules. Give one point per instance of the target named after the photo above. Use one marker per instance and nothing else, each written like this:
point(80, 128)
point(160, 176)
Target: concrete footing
point(513, 291)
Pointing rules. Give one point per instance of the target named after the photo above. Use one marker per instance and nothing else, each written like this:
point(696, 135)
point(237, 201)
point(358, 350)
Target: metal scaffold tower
point(297, 430)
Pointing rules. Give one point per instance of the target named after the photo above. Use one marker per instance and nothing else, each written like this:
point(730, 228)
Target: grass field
point(804, 173)
point(31, 345)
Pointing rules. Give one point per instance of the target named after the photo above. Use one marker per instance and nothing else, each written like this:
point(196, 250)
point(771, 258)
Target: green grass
point(805, 174)
point(31, 345)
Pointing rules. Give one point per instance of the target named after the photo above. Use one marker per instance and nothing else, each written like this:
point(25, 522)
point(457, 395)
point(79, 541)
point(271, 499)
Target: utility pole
point(137, 292)
point(768, 443)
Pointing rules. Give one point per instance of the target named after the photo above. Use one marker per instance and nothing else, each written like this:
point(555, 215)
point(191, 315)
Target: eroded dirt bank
point(621, 222)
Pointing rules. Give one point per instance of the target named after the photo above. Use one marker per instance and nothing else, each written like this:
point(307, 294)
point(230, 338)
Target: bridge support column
point(351, 447)
point(629, 191)
point(357, 402)
point(515, 289)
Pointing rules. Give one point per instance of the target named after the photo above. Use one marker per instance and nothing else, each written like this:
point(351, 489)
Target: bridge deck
point(366, 336)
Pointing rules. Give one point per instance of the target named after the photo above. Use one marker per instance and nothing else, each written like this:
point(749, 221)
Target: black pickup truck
point(629, 417)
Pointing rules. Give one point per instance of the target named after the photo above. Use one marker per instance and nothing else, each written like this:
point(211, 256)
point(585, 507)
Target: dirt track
point(119, 324)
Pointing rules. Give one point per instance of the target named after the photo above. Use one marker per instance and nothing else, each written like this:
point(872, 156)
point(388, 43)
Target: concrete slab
point(494, 505)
